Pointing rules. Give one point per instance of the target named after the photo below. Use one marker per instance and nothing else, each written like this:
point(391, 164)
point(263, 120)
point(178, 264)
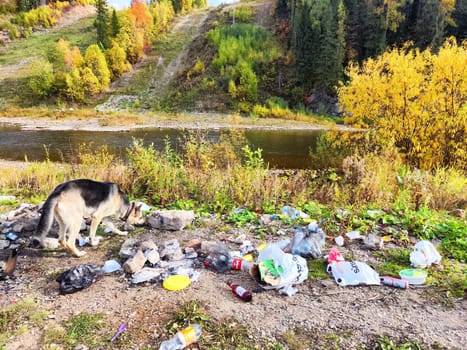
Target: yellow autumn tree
point(416, 100)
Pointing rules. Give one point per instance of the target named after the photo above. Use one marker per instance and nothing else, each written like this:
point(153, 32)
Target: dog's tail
point(47, 217)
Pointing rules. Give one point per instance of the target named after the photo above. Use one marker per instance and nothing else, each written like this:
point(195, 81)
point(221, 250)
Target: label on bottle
point(241, 292)
point(237, 264)
point(189, 335)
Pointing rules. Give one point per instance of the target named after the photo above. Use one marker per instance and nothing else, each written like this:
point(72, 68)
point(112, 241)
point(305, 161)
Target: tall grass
point(218, 176)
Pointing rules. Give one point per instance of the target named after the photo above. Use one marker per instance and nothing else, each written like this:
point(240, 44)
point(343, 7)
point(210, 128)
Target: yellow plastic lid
point(176, 282)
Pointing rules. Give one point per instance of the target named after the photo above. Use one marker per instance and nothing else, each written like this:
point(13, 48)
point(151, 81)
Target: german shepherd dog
point(75, 200)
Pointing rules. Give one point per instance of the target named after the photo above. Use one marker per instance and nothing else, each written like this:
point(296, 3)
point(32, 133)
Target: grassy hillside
point(177, 72)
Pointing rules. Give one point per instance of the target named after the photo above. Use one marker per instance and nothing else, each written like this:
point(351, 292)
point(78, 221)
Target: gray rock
point(147, 274)
point(18, 227)
point(190, 253)
point(152, 256)
point(4, 243)
point(173, 220)
point(50, 243)
point(129, 248)
point(172, 251)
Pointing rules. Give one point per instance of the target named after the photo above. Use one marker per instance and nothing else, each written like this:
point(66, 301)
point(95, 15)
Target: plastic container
point(414, 276)
point(183, 338)
point(176, 282)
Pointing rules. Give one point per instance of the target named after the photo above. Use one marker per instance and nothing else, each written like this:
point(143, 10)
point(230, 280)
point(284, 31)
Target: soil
point(329, 315)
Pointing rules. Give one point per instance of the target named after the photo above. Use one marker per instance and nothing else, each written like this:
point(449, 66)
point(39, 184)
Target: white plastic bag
point(352, 273)
point(424, 254)
point(291, 269)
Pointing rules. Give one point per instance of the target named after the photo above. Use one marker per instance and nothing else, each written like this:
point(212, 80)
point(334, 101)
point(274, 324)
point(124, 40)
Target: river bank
point(193, 121)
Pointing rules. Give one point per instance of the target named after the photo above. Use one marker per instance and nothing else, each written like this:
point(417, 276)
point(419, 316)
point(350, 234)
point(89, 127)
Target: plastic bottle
point(219, 258)
point(240, 264)
point(239, 291)
point(183, 338)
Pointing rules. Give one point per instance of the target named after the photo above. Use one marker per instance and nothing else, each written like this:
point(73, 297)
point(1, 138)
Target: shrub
point(414, 99)
point(42, 78)
point(116, 60)
point(94, 59)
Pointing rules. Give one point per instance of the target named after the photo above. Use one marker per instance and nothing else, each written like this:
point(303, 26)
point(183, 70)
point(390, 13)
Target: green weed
point(241, 216)
point(389, 344)
point(84, 329)
point(317, 269)
point(18, 317)
point(392, 261)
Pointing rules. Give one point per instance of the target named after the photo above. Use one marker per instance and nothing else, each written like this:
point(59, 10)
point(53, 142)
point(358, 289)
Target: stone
point(172, 220)
point(18, 227)
point(172, 251)
point(152, 256)
point(190, 253)
point(50, 243)
point(135, 263)
point(148, 245)
point(129, 248)
point(148, 274)
point(4, 243)
point(194, 244)
point(460, 213)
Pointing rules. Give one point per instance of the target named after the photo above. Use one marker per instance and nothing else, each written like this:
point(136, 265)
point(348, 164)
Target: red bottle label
point(395, 282)
point(237, 264)
point(241, 292)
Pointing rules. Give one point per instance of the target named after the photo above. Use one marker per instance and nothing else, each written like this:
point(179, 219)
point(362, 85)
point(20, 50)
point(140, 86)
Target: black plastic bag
point(79, 277)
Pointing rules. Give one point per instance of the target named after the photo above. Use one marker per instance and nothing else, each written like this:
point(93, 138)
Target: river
point(281, 148)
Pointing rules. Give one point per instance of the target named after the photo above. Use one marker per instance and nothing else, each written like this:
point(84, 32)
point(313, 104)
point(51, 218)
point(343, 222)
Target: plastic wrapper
point(424, 254)
point(352, 273)
point(278, 270)
point(308, 243)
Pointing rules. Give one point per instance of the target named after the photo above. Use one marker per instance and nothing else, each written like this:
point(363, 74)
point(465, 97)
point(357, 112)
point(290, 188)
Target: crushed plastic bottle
point(183, 338)
point(219, 258)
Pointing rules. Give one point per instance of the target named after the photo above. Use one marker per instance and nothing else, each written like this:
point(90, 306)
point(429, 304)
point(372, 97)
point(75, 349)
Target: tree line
point(326, 35)
point(122, 37)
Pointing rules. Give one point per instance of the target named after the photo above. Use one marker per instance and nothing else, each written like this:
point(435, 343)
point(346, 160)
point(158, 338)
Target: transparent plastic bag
point(308, 242)
point(280, 270)
point(424, 254)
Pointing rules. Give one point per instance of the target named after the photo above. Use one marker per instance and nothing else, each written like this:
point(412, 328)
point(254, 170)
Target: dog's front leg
point(114, 229)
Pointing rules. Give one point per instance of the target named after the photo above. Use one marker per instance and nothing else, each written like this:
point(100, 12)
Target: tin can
point(395, 282)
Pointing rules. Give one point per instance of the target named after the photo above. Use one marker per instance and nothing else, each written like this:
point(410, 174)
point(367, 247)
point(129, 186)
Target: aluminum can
point(395, 282)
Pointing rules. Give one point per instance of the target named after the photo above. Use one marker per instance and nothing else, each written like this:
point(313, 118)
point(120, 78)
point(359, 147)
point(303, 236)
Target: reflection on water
point(281, 148)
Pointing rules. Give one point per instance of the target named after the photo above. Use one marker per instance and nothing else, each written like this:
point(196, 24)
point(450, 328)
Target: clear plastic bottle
point(183, 338)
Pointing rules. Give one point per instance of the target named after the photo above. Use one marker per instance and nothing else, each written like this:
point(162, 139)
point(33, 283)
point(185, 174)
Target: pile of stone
point(148, 262)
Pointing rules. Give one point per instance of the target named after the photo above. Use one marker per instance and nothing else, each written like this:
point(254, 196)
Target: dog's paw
point(94, 242)
point(78, 253)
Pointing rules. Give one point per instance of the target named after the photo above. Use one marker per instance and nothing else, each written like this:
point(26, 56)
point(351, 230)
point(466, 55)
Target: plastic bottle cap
point(176, 282)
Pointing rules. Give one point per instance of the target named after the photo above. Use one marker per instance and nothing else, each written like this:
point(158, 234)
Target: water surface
point(281, 148)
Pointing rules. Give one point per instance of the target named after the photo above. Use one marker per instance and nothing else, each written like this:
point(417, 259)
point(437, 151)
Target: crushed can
point(395, 282)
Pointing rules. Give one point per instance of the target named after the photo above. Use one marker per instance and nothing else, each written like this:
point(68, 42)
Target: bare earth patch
point(329, 315)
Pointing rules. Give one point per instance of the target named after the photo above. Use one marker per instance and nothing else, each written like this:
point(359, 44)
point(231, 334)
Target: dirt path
point(164, 68)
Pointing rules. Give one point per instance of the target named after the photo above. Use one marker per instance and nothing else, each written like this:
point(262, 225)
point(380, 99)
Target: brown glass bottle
point(240, 292)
